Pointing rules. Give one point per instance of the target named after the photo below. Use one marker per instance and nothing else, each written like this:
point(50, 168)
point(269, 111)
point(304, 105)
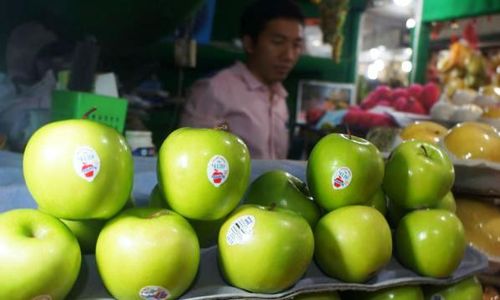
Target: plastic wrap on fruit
point(482, 225)
point(466, 112)
point(473, 140)
point(443, 110)
point(463, 96)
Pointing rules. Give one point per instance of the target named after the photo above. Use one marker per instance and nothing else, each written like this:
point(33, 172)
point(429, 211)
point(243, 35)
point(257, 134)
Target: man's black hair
point(256, 15)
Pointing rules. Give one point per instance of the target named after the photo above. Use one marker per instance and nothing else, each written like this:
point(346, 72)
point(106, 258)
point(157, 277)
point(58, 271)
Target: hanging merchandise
point(332, 15)
point(462, 67)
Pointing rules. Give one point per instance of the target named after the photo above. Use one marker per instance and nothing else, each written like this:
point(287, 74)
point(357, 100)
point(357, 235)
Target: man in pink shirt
point(249, 96)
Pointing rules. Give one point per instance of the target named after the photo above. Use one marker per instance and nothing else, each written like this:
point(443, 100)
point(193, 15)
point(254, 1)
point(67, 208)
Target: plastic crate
point(74, 105)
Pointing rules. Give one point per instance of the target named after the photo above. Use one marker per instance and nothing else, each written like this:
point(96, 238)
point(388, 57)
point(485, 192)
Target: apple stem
point(272, 206)
point(87, 114)
point(222, 126)
point(348, 130)
point(425, 150)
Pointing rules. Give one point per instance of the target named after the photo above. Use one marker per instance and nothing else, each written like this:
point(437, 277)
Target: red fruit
point(381, 92)
point(352, 116)
point(365, 119)
point(314, 114)
point(410, 105)
point(369, 102)
point(400, 92)
point(380, 120)
point(384, 103)
point(383, 89)
point(400, 103)
point(414, 106)
point(415, 90)
point(430, 95)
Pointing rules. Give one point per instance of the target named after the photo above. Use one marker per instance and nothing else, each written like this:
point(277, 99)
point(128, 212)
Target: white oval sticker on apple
point(154, 292)
point(241, 230)
point(86, 163)
point(341, 178)
point(217, 170)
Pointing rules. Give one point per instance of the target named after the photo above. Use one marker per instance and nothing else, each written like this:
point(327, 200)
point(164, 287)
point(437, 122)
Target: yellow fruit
point(473, 140)
point(481, 222)
point(489, 90)
point(425, 131)
point(491, 112)
point(453, 85)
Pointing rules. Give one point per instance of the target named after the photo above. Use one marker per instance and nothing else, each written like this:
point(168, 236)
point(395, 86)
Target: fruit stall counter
point(209, 284)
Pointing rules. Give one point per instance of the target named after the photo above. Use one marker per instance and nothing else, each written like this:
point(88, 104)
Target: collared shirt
point(258, 114)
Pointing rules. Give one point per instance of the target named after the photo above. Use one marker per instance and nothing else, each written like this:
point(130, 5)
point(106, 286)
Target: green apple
point(447, 203)
point(39, 256)
point(203, 172)
point(466, 289)
point(206, 231)
point(285, 191)
point(78, 169)
point(395, 213)
point(318, 296)
point(264, 249)
point(418, 175)
point(348, 247)
point(156, 198)
point(378, 201)
point(430, 242)
point(344, 170)
point(86, 232)
point(146, 251)
point(409, 292)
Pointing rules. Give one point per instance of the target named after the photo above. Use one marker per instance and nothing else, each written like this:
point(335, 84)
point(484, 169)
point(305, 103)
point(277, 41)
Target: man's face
point(277, 48)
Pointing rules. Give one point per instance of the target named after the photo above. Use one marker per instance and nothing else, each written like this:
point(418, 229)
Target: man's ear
point(248, 44)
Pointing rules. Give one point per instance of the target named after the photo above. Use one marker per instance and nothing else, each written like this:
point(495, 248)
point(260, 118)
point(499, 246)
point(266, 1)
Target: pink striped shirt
point(258, 114)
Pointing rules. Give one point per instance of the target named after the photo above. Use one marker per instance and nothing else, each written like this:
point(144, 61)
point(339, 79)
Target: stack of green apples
point(203, 175)
point(349, 189)
point(79, 173)
point(344, 172)
point(268, 232)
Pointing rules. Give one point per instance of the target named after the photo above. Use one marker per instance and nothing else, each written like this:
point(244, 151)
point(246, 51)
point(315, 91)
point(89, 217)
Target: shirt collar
point(253, 83)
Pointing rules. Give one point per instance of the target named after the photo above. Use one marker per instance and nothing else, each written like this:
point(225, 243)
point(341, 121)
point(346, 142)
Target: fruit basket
point(74, 105)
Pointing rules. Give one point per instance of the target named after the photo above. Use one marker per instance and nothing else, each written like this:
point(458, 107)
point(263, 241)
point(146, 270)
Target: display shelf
point(210, 285)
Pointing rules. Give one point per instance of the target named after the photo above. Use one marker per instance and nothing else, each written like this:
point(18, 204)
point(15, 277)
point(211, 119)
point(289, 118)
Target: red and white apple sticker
point(154, 292)
point(241, 230)
point(341, 178)
point(86, 163)
point(217, 170)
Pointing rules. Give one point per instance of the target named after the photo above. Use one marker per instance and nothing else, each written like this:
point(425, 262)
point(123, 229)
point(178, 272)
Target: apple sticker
point(86, 163)
point(240, 230)
point(341, 178)
point(154, 293)
point(217, 170)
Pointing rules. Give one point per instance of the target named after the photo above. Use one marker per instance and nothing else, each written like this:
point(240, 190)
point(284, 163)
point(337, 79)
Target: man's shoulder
point(230, 74)
point(224, 76)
